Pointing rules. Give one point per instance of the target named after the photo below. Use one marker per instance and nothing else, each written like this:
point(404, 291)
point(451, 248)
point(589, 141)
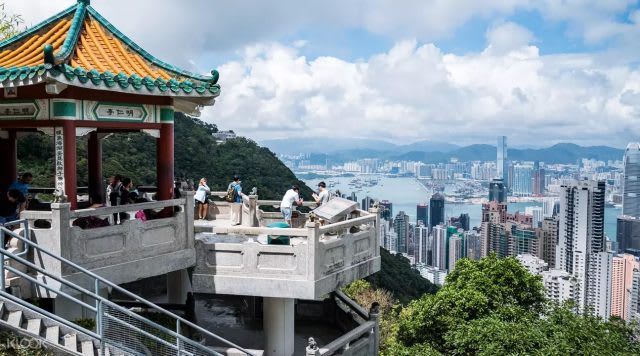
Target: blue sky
point(541, 72)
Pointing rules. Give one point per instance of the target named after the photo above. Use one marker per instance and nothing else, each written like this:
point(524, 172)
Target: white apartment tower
point(581, 249)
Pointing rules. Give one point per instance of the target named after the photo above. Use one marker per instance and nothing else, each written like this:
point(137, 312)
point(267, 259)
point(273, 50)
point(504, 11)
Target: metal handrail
point(100, 301)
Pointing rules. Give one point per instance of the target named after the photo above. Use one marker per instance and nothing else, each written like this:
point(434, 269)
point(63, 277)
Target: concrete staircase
point(49, 333)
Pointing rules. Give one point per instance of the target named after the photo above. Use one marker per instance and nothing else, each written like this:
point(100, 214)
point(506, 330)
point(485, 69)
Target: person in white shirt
point(202, 199)
point(290, 198)
point(323, 196)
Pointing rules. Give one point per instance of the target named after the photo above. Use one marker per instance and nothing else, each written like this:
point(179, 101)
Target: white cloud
point(417, 92)
point(508, 36)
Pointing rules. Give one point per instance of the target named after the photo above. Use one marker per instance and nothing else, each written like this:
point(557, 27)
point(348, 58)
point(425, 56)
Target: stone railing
point(122, 253)
point(363, 340)
point(320, 259)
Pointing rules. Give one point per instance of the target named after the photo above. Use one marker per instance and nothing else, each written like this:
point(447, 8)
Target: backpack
point(232, 194)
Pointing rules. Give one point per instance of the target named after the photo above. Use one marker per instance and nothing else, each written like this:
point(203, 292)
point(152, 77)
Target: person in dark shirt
point(10, 202)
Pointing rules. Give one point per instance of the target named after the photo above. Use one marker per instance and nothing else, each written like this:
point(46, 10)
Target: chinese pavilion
point(75, 74)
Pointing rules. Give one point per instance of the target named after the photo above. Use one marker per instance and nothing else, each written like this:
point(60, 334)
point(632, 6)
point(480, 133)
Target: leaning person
point(234, 196)
point(323, 194)
point(22, 185)
point(202, 199)
point(10, 203)
point(291, 198)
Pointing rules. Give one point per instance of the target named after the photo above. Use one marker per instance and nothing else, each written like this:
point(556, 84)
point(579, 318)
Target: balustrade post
point(374, 315)
point(253, 211)
point(61, 226)
point(376, 212)
point(313, 241)
point(312, 348)
point(188, 210)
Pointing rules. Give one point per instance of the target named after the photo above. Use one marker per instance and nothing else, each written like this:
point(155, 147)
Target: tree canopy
point(496, 307)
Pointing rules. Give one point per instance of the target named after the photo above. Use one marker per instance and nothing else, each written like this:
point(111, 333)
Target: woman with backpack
point(202, 199)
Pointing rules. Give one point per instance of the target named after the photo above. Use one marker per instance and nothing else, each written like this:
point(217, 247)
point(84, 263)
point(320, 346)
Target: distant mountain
point(351, 147)
point(559, 153)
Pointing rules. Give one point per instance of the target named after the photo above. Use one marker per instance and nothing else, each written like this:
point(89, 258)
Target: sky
point(460, 71)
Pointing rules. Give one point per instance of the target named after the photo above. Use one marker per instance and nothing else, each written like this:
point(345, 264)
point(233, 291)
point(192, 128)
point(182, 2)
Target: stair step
point(15, 318)
point(71, 342)
point(53, 334)
point(87, 348)
point(34, 326)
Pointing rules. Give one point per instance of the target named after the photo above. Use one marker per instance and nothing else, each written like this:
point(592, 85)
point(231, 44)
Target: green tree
point(10, 24)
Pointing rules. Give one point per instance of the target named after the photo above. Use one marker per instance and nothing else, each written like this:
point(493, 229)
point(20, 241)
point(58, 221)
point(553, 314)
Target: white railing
point(117, 328)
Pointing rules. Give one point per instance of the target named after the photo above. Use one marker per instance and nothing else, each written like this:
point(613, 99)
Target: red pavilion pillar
point(96, 180)
point(9, 159)
point(164, 163)
point(70, 179)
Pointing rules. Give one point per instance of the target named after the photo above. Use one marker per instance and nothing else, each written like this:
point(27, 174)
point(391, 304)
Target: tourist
point(323, 196)
point(92, 222)
point(234, 196)
point(10, 203)
point(291, 198)
point(22, 185)
point(202, 199)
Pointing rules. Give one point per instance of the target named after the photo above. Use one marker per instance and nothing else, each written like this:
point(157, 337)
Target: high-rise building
point(634, 305)
point(436, 211)
point(538, 180)
point(401, 227)
point(560, 286)
point(502, 161)
point(628, 235)
point(386, 210)
point(581, 249)
point(533, 264)
point(367, 203)
point(497, 191)
point(456, 250)
point(522, 180)
point(538, 214)
point(631, 184)
point(421, 236)
point(549, 207)
point(549, 232)
point(461, 222)
point(622, 285)
point(439, 250)
point(473, 244)
point(422, 213)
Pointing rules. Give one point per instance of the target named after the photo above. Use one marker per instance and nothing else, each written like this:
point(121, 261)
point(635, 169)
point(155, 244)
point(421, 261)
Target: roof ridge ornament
point(72, 36)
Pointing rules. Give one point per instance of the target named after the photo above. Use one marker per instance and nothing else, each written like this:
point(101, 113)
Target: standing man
point(290, 198)
point(234, 196)
point(10, 203)
point(22, 185)
point(323, 194)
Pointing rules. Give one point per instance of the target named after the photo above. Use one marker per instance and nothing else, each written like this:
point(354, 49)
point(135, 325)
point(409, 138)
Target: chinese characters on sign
point(18, 110)
point(58, 138)
point(117, 112)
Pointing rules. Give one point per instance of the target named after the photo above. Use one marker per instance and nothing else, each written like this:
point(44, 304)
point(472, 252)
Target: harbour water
point(406, 192)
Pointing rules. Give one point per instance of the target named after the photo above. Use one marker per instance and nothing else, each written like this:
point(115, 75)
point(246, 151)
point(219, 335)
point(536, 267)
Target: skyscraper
point(522, 180)
point(439, 250)
point(549, 232)
point(622, 285)
point(456, 250)
point(367, 203)
point(538, 180)
point(502, 162)
point(422, 212)
point(537, 213)
point(631, 185)
point(497, 191)
point(421, 235)
point(628, 235)
point(436, 213)
point(386, 210)
point(581, 249)
point(401, 227)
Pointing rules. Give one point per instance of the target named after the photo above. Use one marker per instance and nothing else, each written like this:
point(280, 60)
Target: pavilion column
point(96, 180)
point(70, 179)
point(164, 162)
point(9, 158)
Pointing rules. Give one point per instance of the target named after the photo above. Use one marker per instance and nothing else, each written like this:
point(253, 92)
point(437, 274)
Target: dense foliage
point(196, 153)
point(397, 277)
point(496, 307)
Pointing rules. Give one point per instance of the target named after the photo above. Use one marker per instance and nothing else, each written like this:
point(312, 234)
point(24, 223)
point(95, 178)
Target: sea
point(405, 193)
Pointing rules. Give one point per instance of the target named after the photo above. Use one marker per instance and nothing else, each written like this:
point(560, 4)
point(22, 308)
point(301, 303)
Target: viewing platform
point(319, 259)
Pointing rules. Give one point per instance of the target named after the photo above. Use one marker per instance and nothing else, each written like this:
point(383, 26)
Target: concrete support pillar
point(71, 310)
point(96, 180)
point(8, 157)
point(279, 326)
point(178, 286)
point(164, 162)
point(70, 179)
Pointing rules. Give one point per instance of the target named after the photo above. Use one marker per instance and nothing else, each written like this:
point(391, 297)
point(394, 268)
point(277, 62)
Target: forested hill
point(197, 155)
